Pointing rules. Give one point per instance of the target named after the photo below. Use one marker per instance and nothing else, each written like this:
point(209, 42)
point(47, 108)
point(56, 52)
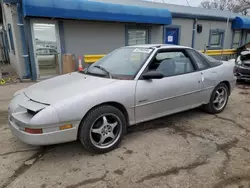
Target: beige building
point(40, 32)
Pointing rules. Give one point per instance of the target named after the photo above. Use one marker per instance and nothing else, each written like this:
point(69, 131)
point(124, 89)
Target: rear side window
point(201, 62)
point(212, 61)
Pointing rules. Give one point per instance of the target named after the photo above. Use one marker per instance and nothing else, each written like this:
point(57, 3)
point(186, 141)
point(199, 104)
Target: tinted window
point(201, 62)
point(171, 63)
point(212, 61)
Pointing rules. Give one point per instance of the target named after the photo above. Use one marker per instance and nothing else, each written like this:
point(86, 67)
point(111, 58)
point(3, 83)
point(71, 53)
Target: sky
point(181, 2)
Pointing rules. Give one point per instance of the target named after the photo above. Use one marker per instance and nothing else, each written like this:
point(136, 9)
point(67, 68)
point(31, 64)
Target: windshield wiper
point(104, 70)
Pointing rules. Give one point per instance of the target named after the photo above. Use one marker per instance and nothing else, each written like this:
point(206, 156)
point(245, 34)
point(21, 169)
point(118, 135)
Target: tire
point(210, 107)
point(95, 122)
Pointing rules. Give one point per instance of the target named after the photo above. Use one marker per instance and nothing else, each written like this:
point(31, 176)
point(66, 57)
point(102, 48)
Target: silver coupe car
point(128, 86)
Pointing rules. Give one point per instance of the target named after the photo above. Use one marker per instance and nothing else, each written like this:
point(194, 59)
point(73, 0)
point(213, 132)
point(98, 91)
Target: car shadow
point(166, 121)
point(75, 148)
point(243, 84)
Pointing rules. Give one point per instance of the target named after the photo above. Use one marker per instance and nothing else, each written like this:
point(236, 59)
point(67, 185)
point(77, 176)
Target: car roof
point(164, 46)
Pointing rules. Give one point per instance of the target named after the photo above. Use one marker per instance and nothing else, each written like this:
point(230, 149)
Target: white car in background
point(46, 56)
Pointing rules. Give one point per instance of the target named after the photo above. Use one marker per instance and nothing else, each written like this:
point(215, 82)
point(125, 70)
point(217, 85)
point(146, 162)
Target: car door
point(208, 73)
point(177, 91)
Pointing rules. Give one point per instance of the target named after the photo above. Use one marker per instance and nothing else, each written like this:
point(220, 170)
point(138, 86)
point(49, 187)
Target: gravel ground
point(190, 149)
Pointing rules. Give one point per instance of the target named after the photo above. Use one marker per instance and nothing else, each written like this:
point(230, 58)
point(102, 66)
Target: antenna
point(188, 3)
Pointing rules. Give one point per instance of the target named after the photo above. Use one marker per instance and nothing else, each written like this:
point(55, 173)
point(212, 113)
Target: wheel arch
point(228, 85)
point(117, 105)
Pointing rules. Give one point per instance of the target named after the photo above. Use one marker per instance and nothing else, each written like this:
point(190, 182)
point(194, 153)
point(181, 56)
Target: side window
point(172, 63)
point(247, 38)
point(201, 63)
point(11, 39)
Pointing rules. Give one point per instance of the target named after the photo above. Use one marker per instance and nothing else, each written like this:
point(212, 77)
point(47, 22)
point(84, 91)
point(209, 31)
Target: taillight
point(33, 131)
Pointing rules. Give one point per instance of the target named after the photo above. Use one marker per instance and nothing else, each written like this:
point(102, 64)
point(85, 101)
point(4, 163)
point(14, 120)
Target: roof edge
point(92, 10)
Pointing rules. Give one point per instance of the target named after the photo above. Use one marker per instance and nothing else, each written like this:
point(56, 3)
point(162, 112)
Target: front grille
point(247, 65)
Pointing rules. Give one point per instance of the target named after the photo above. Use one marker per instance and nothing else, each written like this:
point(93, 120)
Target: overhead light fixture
point(38, 29)
point(45, 25)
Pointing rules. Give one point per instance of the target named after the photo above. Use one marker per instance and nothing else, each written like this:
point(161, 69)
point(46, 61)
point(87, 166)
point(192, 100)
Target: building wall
point(83, 37)
point(186, 29)
point(89, 37)
point(16, 59)
point(202, 39)
point(156, 34)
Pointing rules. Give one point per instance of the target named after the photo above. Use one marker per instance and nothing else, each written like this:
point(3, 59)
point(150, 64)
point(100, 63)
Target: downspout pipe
point(23, 41)
point(194, 32)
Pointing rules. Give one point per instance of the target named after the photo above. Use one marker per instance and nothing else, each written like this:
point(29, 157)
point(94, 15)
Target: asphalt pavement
point(190, 149)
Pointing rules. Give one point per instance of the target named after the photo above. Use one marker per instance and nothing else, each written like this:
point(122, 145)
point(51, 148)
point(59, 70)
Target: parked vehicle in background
point(46, 56)
point(242, 67)
point(128, 86)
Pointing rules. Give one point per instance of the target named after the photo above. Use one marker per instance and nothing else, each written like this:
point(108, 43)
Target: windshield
point(123, 63)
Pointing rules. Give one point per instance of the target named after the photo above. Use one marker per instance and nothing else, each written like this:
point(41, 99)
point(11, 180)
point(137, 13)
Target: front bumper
point(242, 73)
point(48, 138)
point(20, 118)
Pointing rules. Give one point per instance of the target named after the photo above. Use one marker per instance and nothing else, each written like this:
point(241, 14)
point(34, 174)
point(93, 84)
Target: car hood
point(62, 87)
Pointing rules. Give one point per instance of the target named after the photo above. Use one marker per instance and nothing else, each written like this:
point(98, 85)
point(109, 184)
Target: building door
point(171, 36)
point(46, 48)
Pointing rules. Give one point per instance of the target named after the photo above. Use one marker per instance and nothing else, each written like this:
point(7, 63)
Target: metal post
point(23, 41)
point(194, 32)
point(225, 38)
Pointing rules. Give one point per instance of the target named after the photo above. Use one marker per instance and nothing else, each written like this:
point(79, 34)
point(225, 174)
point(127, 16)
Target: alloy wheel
point(105, 131)
point(220, 98)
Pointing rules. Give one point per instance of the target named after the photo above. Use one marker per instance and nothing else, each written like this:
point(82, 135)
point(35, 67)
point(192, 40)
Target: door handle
point(202, 77)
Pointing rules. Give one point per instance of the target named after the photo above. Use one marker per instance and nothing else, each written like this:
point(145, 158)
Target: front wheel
point(102, 129)
point(218, 100)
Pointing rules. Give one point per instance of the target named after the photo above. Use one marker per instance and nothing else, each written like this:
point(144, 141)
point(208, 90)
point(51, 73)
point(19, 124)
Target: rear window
point(212, 61)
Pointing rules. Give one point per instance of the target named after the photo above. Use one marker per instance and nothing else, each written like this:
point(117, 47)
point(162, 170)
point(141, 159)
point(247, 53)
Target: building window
point(216, 39)
point(137, 36)
point(6, 41)
point(247, 38)
point(11, 39)
point(236, 39)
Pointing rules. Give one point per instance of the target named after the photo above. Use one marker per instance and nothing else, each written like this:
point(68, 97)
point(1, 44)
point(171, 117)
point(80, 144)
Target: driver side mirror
point(152, 75)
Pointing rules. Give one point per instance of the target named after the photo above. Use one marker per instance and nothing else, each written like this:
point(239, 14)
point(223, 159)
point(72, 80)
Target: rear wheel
point(218, 100)
point(102, 129)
